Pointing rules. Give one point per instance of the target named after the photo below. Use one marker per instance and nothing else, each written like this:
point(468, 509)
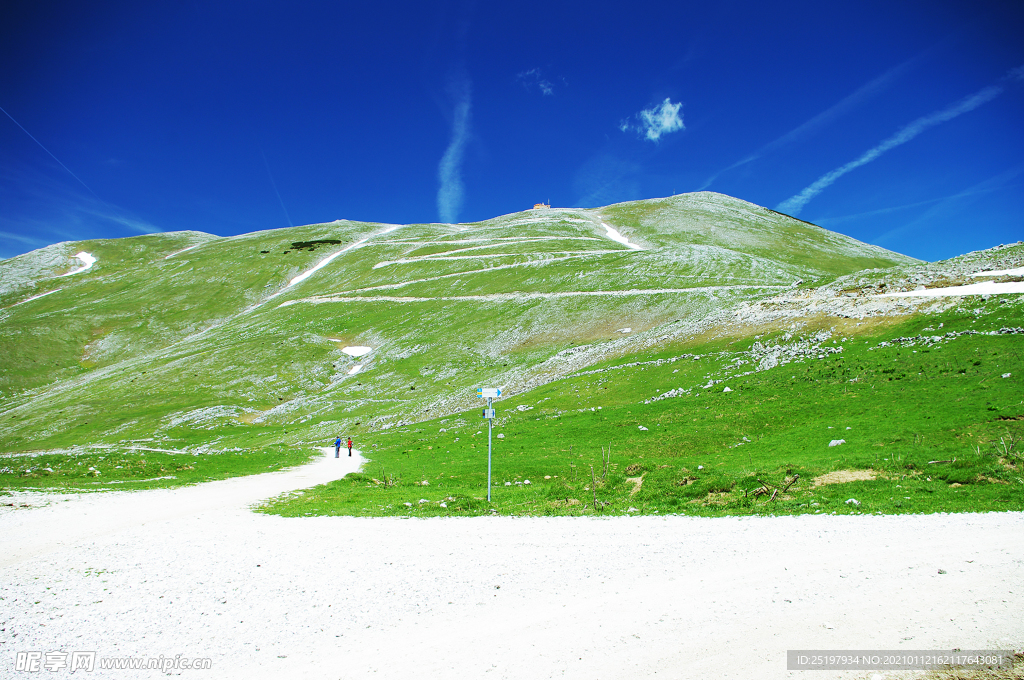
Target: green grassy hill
point(224, 349)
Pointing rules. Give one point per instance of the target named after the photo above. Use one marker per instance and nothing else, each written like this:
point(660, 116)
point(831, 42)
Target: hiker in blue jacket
point(337, 447)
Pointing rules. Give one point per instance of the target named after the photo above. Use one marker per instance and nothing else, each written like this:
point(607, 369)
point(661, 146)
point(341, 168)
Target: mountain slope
point(210, 344)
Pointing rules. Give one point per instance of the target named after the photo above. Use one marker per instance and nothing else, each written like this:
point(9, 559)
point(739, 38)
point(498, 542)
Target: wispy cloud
point(50, 153)
point(826, 117)
point(67, 209)
point(656, 121)
point(534, 79)
point(605, 179)
point(266, 163)
point(21, 238)
point(449, 172)
point(950, 204)
point(795, 204)
point(118, 216)
point(41, 208)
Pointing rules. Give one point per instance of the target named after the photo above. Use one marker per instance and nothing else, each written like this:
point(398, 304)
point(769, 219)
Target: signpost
point(490, 393)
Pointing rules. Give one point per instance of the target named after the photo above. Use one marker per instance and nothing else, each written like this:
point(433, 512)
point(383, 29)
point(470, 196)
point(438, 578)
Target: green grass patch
point(929, 426)
point(130, 470)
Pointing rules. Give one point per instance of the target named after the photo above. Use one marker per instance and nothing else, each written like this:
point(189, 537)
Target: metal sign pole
point(491, 393)
point(490, 421)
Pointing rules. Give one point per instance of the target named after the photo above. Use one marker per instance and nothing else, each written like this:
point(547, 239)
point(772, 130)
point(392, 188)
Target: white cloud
point(656, 121)
point(449, 171)
point(534, 78)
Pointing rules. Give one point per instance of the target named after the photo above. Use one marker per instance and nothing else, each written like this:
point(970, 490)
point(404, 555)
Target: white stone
point(837, 442)
point(642, 428)
point(727, 389)
point(852, 501)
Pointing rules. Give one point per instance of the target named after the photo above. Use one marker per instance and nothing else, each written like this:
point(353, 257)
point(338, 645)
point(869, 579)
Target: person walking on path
point(337, 447)
point(350, 446)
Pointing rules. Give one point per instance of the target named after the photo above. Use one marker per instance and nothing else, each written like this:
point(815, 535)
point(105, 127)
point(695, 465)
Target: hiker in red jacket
point(350, 446)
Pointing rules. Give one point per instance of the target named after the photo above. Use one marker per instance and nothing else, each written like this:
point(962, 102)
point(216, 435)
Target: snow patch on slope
point(330, 258)
point(984, 288)
point(88, 261)
point(1019, 271)
point(614, 235)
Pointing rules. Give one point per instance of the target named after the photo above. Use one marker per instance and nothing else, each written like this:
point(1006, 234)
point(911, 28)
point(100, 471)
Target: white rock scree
point(192, 571)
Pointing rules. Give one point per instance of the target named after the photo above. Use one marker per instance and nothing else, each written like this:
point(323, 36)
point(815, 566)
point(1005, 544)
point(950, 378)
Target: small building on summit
point(539, 206)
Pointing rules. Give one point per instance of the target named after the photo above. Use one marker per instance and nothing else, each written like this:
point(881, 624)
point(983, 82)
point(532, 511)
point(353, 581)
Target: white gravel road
point(193, 572)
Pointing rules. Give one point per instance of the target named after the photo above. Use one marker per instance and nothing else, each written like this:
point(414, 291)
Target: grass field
point(96, 469)
point(929, 426)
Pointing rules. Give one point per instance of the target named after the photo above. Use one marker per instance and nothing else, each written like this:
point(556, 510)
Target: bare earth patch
point(844, 476)
point(637, 482)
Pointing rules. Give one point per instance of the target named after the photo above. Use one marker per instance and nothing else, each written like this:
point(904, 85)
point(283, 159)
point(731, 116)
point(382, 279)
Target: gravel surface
point(193, 571)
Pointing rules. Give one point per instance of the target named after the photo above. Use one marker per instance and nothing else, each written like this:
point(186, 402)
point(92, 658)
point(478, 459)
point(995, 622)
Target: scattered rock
point(837, 442)
point(727, 389)
point(443, 504)
point(942, 571)
point(642, 428)
point(852, 501)
point(501, 436)
point(1007, 375)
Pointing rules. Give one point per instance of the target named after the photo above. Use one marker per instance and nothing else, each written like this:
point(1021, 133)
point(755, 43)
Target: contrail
point(449, 171)
point(866, 91)
point(274, 184)
point(943, 208)
point(52, 156)
point(795, 204)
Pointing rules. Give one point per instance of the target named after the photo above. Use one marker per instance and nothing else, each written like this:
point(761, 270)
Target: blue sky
point(897, 123)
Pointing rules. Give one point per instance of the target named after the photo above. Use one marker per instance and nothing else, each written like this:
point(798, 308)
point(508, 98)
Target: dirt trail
point(64, 521)
point(193, 572)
